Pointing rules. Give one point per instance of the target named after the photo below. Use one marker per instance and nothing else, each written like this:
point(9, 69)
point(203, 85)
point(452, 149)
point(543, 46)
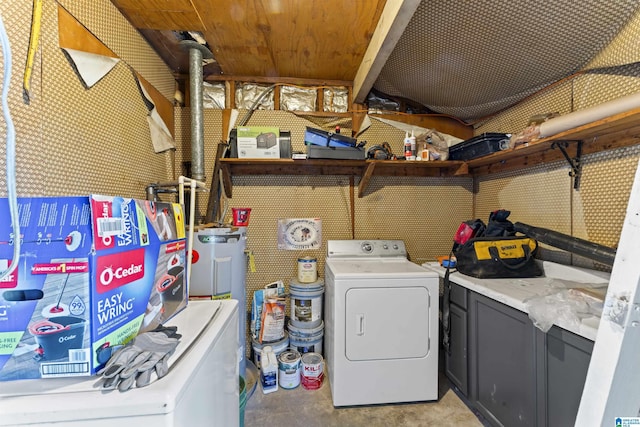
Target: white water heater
point(219, 271)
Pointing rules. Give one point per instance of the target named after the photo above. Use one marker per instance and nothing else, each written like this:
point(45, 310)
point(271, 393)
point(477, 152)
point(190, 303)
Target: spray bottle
point(268, 370)
point(412, 143)
point(407, 146)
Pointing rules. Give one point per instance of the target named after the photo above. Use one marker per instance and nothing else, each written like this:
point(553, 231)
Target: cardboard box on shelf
point(94, 271)
point(258, 142)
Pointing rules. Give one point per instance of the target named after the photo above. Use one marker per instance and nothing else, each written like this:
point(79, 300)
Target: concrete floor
point(310, 408)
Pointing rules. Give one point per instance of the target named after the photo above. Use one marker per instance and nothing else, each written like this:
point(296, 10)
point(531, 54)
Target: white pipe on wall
point(588, 115)
point(192, 207)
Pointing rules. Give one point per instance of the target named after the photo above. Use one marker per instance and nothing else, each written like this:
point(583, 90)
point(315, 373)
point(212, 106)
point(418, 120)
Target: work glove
point(137, 361)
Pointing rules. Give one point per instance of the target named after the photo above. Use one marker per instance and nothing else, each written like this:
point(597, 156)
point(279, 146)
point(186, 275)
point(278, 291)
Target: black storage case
point(479, 146)
point(343, 153)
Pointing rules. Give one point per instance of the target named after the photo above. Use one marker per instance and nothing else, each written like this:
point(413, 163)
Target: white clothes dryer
point(381, 324)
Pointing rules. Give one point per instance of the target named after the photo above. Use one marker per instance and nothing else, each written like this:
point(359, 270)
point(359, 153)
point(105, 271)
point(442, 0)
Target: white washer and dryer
point(381, 324)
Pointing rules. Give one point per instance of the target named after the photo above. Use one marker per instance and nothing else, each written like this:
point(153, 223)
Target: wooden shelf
point(365, 169)
point(620, 130)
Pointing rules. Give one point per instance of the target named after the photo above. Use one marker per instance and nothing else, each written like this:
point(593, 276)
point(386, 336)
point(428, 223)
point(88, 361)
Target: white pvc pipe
point(192, 207)
point(588, 115)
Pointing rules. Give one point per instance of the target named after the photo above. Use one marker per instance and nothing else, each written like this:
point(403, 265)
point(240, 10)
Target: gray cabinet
point(502, 363)
point(456, 359)
point(513, 373)
point(456, 365)
point(563, 359)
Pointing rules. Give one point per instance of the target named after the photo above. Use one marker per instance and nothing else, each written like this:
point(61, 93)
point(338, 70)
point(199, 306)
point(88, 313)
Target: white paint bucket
point(312, 371)
point(289, 369)
point(306, 340)
point(278, 347)
point(306, 303)
point(307, 269)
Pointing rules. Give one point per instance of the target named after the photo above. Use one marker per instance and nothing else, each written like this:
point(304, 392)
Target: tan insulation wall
point(544, 195)
point(72, 140)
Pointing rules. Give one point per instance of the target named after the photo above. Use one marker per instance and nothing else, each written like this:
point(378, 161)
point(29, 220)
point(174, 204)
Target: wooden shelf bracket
point(366, 177)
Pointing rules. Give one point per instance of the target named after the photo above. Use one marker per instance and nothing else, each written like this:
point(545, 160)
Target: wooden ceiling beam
point(392, 23)
point(277, 80)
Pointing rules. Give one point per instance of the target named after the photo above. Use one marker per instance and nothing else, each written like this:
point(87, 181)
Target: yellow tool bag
point(498, 257)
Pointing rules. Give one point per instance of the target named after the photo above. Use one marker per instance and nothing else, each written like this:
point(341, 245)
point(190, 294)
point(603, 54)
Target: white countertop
point(554, 287)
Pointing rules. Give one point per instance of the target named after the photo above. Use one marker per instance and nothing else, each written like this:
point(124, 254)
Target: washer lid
point(366, 248)
point(378, 267)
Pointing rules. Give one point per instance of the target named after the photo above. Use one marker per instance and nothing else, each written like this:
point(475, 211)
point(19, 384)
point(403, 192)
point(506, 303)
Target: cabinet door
point(563, 360)
point(502, 363)
point(456, 362)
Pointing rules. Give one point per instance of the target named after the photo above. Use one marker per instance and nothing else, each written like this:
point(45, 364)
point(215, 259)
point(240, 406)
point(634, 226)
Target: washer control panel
point(366, 248)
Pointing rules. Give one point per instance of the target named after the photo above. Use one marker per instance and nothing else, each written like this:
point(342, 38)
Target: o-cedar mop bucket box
point(93, 272)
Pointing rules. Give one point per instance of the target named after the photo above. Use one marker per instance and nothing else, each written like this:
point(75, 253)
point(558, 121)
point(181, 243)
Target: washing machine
point(201, 388)
point(381, 324)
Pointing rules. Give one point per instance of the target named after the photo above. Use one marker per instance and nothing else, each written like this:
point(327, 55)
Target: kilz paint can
point(289, 369)
point(307, 269)
point(312, 372)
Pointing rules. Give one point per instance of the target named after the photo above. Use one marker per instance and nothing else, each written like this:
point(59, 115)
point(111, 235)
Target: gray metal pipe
point(197, 53)
point(197, 122)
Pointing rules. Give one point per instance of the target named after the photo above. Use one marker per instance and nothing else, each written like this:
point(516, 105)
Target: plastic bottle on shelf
point(268, 370)
point(425, 152)
point(412, 143)
point(407, 146)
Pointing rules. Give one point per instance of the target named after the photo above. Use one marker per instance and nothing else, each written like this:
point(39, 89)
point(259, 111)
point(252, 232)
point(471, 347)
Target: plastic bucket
point(278, 347)
point(241, 216)
point(306, 303)
point(306, 340)
point(57, 335)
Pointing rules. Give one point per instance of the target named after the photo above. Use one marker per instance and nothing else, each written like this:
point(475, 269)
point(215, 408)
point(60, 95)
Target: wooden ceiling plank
point(169, 5)
point(391, 25)
point(176, 15)
point(313, 39)
point(234, 36)
point(322, 37)
point(310, 39)
point(174, 21)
